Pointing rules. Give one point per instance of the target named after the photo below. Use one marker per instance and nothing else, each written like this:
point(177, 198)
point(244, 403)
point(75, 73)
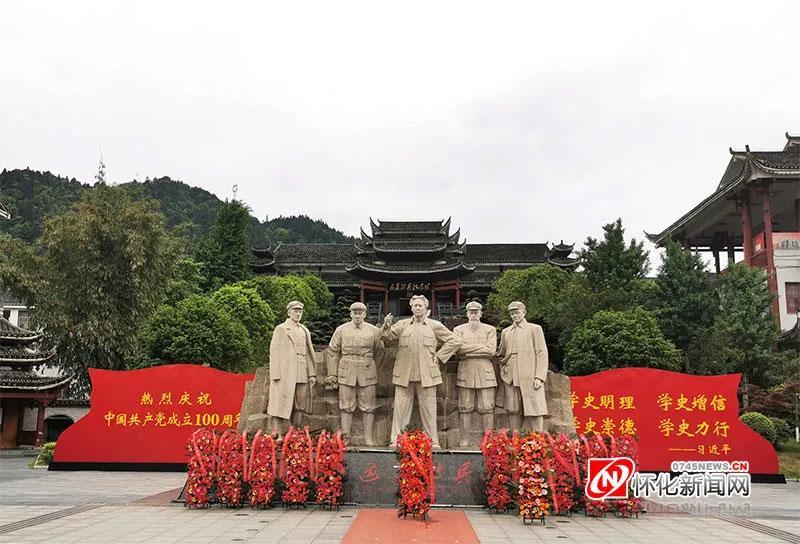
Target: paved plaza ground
point(129, 508)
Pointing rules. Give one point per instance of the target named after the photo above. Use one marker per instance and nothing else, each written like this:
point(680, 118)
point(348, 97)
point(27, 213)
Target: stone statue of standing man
point(416, 368)
point(523, 369)
point(475, 379)
point(353, 350)
point(292, 376)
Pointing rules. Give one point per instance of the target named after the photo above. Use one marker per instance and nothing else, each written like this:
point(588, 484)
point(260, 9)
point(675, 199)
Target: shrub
point(612, 339)
point(760, 424)
point(783, 431)
point(45, 454)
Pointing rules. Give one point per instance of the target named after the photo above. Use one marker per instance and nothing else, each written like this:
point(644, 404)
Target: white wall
point(787, 269)
point(74, 412)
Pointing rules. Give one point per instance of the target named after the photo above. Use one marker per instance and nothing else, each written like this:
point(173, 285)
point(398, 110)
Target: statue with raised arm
point(353, 350)
point(416, 368)
point(523, 369)
point(475, 379)
point(292, 376)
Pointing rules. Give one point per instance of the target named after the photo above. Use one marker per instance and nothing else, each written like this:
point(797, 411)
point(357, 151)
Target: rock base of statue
point(326, 413)
point(372, 477)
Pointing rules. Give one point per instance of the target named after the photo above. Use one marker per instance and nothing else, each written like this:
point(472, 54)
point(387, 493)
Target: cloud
point(525, 122)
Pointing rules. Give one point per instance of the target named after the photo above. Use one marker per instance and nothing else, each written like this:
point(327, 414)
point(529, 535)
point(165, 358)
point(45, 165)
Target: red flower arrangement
point(297, 466)
point(626, 446)
point(416, 479)
point(262, 470)
point(587, 447)
point(231, 461)
point(564, 465)
point(498, 456)
point(201, 469)
point(533, 489)
point(329, 468)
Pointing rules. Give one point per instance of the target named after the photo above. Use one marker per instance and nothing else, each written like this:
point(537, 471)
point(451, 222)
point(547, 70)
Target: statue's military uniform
point(353, 352)
point(475, 376)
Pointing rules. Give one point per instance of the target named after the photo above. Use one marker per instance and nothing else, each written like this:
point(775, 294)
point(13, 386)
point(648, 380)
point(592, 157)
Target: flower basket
point(498, 456)
point(201, 469)
point(533, 492)
point(262, 471)
point(296, 467)
point(416, 478)
point(329, 471)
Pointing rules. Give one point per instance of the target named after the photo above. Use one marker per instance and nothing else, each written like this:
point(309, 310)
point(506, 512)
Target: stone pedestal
point(372, 477)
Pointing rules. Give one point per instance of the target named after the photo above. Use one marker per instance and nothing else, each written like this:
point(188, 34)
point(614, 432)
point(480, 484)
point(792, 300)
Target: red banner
point(147, 415)
point(677, 417)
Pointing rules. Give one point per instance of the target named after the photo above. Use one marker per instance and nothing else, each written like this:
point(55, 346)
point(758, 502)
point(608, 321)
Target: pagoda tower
point(21, 385)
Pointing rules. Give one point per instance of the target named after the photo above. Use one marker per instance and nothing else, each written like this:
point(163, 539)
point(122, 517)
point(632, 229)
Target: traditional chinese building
point(21, 386)
point(399, 259)
point(755, 210)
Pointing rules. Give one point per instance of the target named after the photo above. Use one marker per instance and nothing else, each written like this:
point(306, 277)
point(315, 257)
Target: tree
point(538, 287)
point(19, 268)
point(609, 265)
point(186, 280)
point(685, 302)
point(322, 295)
point(615, 339)
point(104, 267)
point(196, 330)
point(247, 306)
point(278, 291)
point(226, 250)
point(554, 298)
point(747, 331)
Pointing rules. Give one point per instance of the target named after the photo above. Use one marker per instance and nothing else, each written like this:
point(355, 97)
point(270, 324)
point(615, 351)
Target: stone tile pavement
point(131, 508)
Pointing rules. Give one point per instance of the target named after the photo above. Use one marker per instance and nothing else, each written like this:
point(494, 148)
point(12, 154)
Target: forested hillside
point(31, 197)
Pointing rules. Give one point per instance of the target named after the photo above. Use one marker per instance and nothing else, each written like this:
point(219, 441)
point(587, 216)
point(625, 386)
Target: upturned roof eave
point(44, 387)
point(752, 167)
point(359, 266)
point(379, 248)
point(660, 238)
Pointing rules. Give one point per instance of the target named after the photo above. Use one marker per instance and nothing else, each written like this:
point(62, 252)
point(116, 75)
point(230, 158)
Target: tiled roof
point(480, 278)
point(70, 402)
point(9, 331)
point(777, 159)
point(13, 354)
point(411, 226)
point(410, 246)
point(410, 268)
point(743, 167)
point(7, 299)
point(314, 253)
point(339, 279)
point(26, 379)
point(564, 262)
point(791, 336)
point(562, 248)
point(506, 253)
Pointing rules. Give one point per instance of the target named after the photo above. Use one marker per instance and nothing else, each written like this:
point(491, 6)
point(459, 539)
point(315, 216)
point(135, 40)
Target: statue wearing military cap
point(291, 370)
point(353, 350)
point(475, 379)
point(523, 369)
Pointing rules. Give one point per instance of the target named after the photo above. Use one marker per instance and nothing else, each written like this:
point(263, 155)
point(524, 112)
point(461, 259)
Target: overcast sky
point(525, 122)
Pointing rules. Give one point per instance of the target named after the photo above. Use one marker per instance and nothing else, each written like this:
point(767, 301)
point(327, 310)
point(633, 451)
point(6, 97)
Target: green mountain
point(31, 197)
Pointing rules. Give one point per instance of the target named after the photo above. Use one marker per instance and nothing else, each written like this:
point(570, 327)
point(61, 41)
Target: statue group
point(424, 346)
